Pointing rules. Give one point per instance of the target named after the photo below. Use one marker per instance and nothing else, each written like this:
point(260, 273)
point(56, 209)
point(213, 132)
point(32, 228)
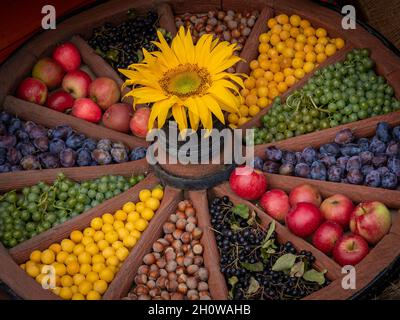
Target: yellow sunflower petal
point(213, 106)
point(159, 111)
point(147, 95)
point(179, 114)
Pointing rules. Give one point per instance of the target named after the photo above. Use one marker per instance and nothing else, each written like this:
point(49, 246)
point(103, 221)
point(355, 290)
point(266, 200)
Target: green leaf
point(271, 229)
point(284, 262)
point(254, 286)
point(252, 219)
point(266, 253)
point(235, 227)
point(313, 275)
point(232, 281)
point(241, 210)
point(269, 244)
point(298, 269)
point(255, 267)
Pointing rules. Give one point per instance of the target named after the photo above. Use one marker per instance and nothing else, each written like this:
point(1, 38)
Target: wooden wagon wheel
point(76, 29)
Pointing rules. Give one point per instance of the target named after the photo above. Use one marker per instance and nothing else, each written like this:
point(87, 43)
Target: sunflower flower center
point(185, 80)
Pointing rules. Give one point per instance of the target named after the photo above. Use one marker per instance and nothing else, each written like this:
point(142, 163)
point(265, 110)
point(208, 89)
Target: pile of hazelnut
point(230, 26)
point(174, 270)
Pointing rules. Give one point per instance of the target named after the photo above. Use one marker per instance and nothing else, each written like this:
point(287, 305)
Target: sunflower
point(186, 80)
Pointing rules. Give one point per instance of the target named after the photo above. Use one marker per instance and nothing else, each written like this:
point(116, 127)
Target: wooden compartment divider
point(167, 20)
point(322, 262)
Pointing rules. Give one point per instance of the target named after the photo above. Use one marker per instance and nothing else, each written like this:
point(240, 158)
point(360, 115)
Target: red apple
point(276, 203)
point(326, 236)
point(248, 183)
point(77, 83)
point(350, 250)
point(60, 101)
point(32, 90)
point(68, 56)
point(86, 109)
point(139, 122)
point(371, 220)
point(337, 208)
point(303, 219)
point(305, 193)
point(118, 116)
point(49, 71)
point(104, 91)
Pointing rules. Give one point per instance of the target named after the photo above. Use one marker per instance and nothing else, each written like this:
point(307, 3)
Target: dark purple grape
point(318, 171)
point(3, 155)
point(7, 141)
point(257, 163)
point(363, 143)
point(286, 169)
point(41, 143)
point(396, 133)
point(5, 168)
point(104, 144)
point(366, 169)
point(84, 157)
point(16, 167)
point(30, 162)
point(383, 132)
point(355, 177)
point(56, 146)
point(389, 181)
point(271, 166)
point(344, 136)
point(299, 157)
point(140, 153)
point(5, 117)
point(119, 155)
point(393, 148)
point(37, 132)
point(3, 129)
point(373, 179)
point(75, 140)
point(89, 144)
point(61, 132)
point(327, 160)
point(350, 150)
point(335, 173)
point(309, 154)
point(29, 125)
point(101, 156)
point(377, 146)
point(14, 156)
point(393, 165)
point(379, 160)
point(330, 149)
point(382, 170)
point(49, 161)
point(302, 170)
point(289, 157)
point(354, 163)
point(366, 157)
point(26, 148)
point(273, 154)
point(22, 136)
point(14, 126)
point(68, 157)
point(342, 162)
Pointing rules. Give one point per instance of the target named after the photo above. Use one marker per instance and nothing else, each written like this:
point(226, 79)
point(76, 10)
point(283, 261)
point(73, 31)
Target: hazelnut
point(182, 206)
point(198, 249)
point(177, 245)
point(165, 295)
point(173, 218)
point(212, 22)
point(151, 284)
point(204, 295)
point(246, 31)
point(185, 247)
point(144, 297)
point(198, 260)
point(181, 224)
point(180, 270)
point(158, 246)
point(221, 15)
point(182, 278)
point(192, 269)
point(168, 227)
point(193, 295)
point(203, 274)
point(190, 227)
point(191, 283)
point(141, 279)
point(235, 33)
point(143, 269)
point(186, 237)
point(192, 219)
point(161, 282)
point(171, 285)
point(171, 266)
point(172, 276)
point(141, 290)
point(187, 261)
point(154, 275)
point(169, 237)
point(163, 273)
point(181, 215)
point(149, 259)
point(251, 22)
point(197, 233)
point(232, 24)
point(190, 212)
point(202, 286)
point(180, 261)
point(170, 254)
point(182, 288)
point(163, 241)
point(177, 296)
point(161, 263)
point(177, 233)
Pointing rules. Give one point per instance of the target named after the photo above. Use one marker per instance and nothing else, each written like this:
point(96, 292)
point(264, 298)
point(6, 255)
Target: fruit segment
point(85, 264)
point(174, 269)
point(291, 48)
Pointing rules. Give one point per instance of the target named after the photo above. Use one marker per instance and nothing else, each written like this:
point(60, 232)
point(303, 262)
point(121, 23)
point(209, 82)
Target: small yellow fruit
point(66, 281)
point(71, 258)
point(144, 195)
point(120, 215)
point(65, 293)
point(47, 257)
point(97, 258)
point(96, 223)
point(56, 291)
point(73, 268)
point(93, 295)
point(99, 235)
point(85, 269)
point(102, 244)
point(122, 253)
point(108, 218)
point(152, 203)
point(78, 278)
point(55, 247)
point(67, 245)
point(140, 206)
point(76, 236)
point(129, 226)
point(141, 224)
point(129, 207)
point(133, 216)
point(107, 227)
point(74, 289)
point(89, 232)
point(33, 270)
point(60, 269)
point(85, 287)
point(118, 224)
point(136, 234)
point(157, 193)
point(79, 248)
point(92, 248)
point(111, 237)
point(129, 241)
point(122, 233)
point(35, 256)
point(78, 296)
point(107, 275)
point(117, 244)
point(108, 252)
point(85, 257)
point(112, 261)
point(92, 276)
point(40, 278)
point(100, 286)
point(98, 267)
